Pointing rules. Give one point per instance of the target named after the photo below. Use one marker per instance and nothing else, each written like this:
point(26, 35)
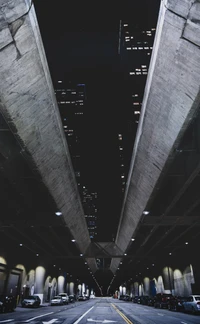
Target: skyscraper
point(134, 48)
point(89, 200)
point(71, 99)
point(72, 102)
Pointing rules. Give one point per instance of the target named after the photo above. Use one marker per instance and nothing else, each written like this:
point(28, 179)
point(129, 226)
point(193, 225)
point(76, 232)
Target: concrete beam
point(29, 106)
point(170, 102)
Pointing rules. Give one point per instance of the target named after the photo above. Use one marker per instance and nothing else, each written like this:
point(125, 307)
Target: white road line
point(31, 319)
point(80, 318)
point(160, 314)
point(6, 321)
point(183, 322)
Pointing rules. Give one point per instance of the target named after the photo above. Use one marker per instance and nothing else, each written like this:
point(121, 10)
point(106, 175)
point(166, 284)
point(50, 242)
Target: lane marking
point(183, 322)
point(127, 320)
point(31, 319)
point(160, 314)
point(100, 321)
point(6, 321)
point(51, 321)
point(80, 318)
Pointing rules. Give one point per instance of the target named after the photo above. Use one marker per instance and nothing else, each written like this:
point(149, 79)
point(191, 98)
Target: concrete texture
point(171, 100)
point(28, 104)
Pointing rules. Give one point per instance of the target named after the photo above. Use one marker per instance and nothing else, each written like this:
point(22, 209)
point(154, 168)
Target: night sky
point(81, 43)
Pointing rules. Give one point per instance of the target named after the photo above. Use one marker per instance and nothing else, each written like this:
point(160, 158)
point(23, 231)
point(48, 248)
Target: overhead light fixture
point(20, 244)
point(145, 212)
point(125, 253)
point(186, 243)
point(73, 240)
point(81, 254)
point(58, 213)
point(132, 239)
point(170, 253)
point(37, 254)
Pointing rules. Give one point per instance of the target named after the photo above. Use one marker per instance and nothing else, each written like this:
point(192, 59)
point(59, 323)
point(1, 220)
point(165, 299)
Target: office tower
point(134, 49)
point(89, 200)
point(71, 99)
point(72, 102)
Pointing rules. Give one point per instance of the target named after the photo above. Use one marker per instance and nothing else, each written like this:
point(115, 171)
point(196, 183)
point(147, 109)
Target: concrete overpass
point(33, 137)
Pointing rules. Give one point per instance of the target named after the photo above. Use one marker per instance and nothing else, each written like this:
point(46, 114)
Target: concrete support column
point(39, 282)
point(146, 286)
point(71, 288)
point(61, 284)
point(79, 289)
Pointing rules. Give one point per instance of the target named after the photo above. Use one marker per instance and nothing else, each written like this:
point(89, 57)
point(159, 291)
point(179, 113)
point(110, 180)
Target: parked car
point(81, 298)
point(72, 298)
point(176, 303)
point(192, 304)
point(127, 298)
point(31, 301)
point(135, 299)
point(65, 297)
point(150, 301)
point(144, 300)
point(57, 300)
point(161, 300)
point(7, 303)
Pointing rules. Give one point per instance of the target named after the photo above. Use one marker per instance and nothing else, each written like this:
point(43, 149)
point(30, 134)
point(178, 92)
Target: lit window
point(131, 73)
point(140, 48)
point(128, 48)
point(125, 25)
point(137, 112)
point(136, 103)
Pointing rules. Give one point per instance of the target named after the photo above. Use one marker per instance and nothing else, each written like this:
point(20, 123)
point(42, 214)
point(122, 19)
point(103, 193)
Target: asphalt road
point(98, 310)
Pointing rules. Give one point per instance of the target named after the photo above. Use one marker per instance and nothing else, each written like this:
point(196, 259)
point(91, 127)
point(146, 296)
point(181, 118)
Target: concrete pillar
point(61, 284)
point(71, 288)
point(79, 289)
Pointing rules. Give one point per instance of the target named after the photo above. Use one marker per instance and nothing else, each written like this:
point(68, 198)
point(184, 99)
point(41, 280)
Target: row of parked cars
point(60, 299)
point(8, 302)
point(176, 303)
